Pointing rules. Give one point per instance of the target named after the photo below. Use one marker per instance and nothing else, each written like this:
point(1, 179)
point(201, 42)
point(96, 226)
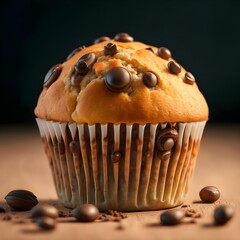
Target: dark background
point(204, 37)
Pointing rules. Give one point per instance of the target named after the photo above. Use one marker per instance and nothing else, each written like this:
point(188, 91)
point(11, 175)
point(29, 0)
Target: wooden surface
point(24, 166)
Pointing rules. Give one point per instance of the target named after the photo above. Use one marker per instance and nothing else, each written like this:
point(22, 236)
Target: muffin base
point(142, 179)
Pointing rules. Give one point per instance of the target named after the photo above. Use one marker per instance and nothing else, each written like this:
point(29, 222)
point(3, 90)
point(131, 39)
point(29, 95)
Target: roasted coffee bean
point(75, 51)
point(85, 63)
point(21, 200)
point(166, 139)
point(209, 194)
point(150, 79)
point(118, 79)
point(189, 78)
point(123, 37)
point(116, 157)
point(44, 211)
point(46, 223)
point(52, 75)
point(74, 147)
point(164, 53)
point(174, 67)
point(86, 213)
point(101, 39)
point(223, 214)
point(172, 217)
point(110, 49)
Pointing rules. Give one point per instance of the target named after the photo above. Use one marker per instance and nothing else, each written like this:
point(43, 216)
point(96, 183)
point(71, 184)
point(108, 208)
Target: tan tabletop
point(23, 165)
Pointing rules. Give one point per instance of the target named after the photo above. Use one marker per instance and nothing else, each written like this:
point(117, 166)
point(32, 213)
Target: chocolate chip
point(189, 78)
point(86, 213)
point(75, 51)
point(118, 79)
point(76, 79)
point(223, 214)
point(174, 67)
point(85, 63)
point(150, 79)
point(116, 157)
point(209, 194)
point(166, 139)
point(164, 53)
point(74, 147)
point(172, 217)
point(101, 39)
point(110, 49)
point(123, 37)
point(149, 49)
point(46, 223)
point(21, 200)
point(44, 211)
point(52, 75)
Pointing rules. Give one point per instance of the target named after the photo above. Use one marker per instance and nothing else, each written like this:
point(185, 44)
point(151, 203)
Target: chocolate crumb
point(120, 226)
point(7, 217)
point(112, 215)
point(64, 213)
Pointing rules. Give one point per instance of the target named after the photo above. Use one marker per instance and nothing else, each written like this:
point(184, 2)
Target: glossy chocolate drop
point(150, 79)
point(85, 63)
point(189, 78)
point(166, 139)
point(118, 79)
point(174, 67)
point(164, 53)
point(52, 75)
point(123, 37)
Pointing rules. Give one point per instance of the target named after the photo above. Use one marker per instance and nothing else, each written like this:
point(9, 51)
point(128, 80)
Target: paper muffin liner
point(120, 167)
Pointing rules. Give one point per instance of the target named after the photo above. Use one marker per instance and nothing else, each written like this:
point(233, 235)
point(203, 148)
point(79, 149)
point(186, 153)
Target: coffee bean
point(46, 223)
point(189, 78)
point(172, 217)
point(116, 157)
point(164, 53)
point(166, 139)
point(110, 49)
point(223, 214)
point(74, 147)
point(123, 37)
point(44, 211)
point(75, 51)
point(118, 79)
point(101, 39)
point(150, 79)
point(52, 75)
point(85, 63)
point(86, 213)
point(174, 67)
point(21, 200)
point(209, 194)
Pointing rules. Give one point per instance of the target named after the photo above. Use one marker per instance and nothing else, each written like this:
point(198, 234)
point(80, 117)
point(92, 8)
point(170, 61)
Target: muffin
point(121, 123)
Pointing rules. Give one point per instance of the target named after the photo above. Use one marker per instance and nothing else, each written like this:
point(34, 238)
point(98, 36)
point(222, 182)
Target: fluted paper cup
point(122, 167)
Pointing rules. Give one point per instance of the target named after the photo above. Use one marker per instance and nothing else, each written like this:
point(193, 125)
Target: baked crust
point(172, 100)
